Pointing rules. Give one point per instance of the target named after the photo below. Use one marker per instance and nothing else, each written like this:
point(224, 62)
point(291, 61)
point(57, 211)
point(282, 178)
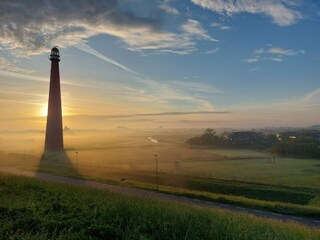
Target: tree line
point(287, 144)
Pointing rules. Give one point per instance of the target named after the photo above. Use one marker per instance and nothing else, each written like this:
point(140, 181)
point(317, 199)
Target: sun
point(44, 111)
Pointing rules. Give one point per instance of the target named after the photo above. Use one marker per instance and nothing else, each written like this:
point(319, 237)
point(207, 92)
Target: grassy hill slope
point(34, 209)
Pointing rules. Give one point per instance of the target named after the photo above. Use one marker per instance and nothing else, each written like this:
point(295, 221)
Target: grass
point(34, 209)
point(311, 210)
point(294, 200)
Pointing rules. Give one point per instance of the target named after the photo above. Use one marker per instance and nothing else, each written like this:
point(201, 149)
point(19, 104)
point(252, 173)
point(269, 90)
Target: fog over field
point(122, 151)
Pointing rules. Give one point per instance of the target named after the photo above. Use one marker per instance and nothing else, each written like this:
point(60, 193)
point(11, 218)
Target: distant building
point(300, 134)
point(245, 138)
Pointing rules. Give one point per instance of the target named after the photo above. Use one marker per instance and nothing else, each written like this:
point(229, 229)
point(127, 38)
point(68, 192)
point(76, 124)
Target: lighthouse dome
point(55, 54)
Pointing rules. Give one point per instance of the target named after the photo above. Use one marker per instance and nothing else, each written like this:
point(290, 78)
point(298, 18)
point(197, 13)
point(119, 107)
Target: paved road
point(164, 196)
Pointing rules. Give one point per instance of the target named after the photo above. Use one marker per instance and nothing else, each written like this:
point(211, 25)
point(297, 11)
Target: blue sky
point(245, 63)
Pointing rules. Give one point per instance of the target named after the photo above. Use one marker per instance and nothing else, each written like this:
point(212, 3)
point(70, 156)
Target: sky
point(169, 63)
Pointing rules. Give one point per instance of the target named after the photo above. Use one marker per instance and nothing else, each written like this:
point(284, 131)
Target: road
point(163, 196)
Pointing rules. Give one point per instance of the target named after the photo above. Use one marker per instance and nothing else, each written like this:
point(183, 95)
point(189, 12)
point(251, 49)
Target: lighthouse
point(54, 131)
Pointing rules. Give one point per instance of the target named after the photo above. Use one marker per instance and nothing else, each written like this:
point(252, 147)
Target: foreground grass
point(293, 200)
point(34, 209)
point(310, 210)
point(273, 206)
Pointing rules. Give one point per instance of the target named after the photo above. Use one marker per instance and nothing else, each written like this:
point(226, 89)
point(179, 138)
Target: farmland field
point(111, 155)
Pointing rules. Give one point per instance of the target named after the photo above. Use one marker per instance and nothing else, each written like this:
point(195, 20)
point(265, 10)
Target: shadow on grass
point(58, 163)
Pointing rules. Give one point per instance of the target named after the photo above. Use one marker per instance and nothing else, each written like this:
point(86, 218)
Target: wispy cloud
point(252, 60)
point(279, 51)
point(157, 91)
point(86, 48)
point(68, 23)
point(282, 12)
point(280, 112)
point(213, 51)
point(23, 76)
point(64, 23)
point(23, 93)
point(194, 86)
point(144, 91)
point(150, 114)
point(12, 67)
point(313, 98)
point(180, 52)
point(258, 59)
point(275, 59)
point(220, 26)
point(165, 6)
point(193, 27)
point(167, 95)
point(32, 77)
point(274, 54)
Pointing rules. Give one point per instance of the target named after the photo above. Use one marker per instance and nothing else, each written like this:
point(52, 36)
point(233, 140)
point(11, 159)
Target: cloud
point(194, 86)
point(180, 52)
point(220, 26)
point(32, 27)
point(194, 28)
point(181, 113)
point(225, 28)
point(277, 112)
point(252, 60)
point(282, 12)
point(274, 54)
point(258, 59)
point(213, 51)
point(183, 43)
point(45, 80)
point(275, 59)
point(279, 51)
point(145, 93)
point(86, 48)
point(150, 114)
point(140, 90)
point(168, 95)
point(313, 98)
point(11, 67)
point(167, 8)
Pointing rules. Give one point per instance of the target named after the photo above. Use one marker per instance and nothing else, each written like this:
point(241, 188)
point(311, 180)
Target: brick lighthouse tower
point(54, 131)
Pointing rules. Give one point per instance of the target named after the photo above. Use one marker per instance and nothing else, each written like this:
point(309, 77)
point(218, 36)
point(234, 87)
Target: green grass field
point(243, 177)
point(34, 209)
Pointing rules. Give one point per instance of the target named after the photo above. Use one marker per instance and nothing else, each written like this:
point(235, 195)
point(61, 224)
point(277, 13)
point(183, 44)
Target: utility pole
point(157, 171)
point(77, 153)
point(122, 180)
point(24, 158)
point(178, 166)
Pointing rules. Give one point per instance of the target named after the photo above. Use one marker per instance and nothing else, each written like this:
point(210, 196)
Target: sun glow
point(44, 111)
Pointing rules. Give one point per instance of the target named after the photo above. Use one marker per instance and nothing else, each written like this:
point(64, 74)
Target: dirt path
point(163, 196)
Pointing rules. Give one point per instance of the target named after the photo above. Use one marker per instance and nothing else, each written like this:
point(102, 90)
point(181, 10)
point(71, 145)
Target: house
point(245, 138)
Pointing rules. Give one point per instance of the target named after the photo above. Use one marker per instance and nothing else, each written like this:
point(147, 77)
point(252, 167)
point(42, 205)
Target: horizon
point(177, 64)
point(66, 128)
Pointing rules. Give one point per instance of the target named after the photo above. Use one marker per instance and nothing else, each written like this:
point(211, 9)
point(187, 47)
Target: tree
point(210, 131)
